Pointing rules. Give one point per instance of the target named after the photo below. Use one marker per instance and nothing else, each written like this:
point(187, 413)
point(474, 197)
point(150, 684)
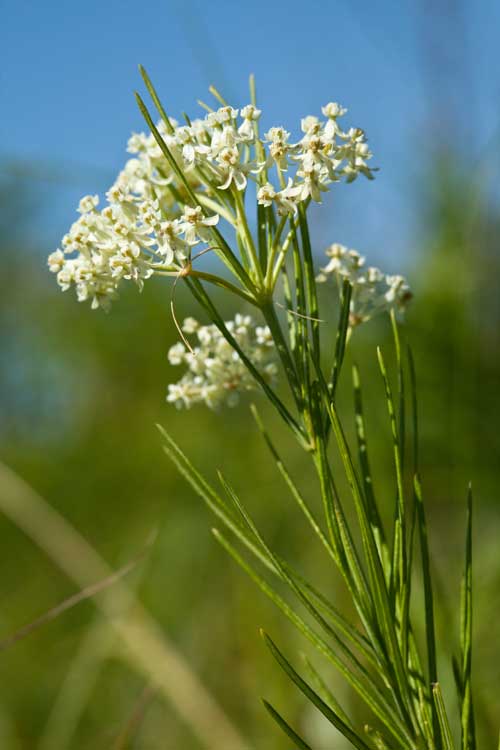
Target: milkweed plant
point(219, 185)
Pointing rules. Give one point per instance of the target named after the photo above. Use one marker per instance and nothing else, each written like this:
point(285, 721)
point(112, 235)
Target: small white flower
point(128, 264)
point(285, 199)
point(314, 182)
point(56, 261)
point(170, 244)
point(266, 194)
point(288, 198)
point(250, 114)
point(185, 138)
point(398, 293)
point(333, 111)
point(88, 203)
point(66, 275)
point(310, 125)
point(226, 114)
point(190, 325)
point(264, 336)
point(118, 193)
point(277, 135)
point(177, 354)
point(179, 394)
point(356, 151)
point(196, 226)
point(231, 169)
point(279, 148)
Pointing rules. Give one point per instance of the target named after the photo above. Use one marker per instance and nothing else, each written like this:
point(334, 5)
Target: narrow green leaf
point(291, 319)
point(165, 150)
point(300, 313)
point(262, 236)
point(253, 89)
point(414, 404)
point(296, 494)
point(214, 502)
point(340, 534)
point(156, 99)
point(467, 718)
point(349, 563)
point(344, 626)
point(261, 158)
point(204, 300)
point(289, 579)
point(399, 544)
point(375, 570)
point(285, 727)
point(205, 106)
point(328, 499)
point(313, 697)
point(425, 557)
point(376, 701)
point(406, 592)
point(225, 513)
point(288, 362)
point(217, 95)
point(427, 578)
point(243, 229)
point(373, 511)
point(325, 693)
point(432, 735)
point(457, 676)
point(401, 386)
point(310, 281)
point(341, 336)
point(376, 738)
point(214, 206)
point(444, 723)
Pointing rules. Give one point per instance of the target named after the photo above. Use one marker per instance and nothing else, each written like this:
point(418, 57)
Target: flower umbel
point(183, 179)
point(216, 374)
point(373, 292)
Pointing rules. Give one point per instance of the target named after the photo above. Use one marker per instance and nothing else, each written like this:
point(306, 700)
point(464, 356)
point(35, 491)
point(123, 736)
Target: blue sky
point(412, 74)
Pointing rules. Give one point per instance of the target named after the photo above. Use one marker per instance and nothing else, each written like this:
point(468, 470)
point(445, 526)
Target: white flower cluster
point(216, 374)
point(150, 224)
point(325, 154)
point(141, 228)
point(373, 291)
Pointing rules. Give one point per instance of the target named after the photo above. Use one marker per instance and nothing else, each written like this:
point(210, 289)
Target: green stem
point(310, 283)
point(272, 321)
point(247, 235)
point(218, 281)
point(272, 254)
point(288, 239)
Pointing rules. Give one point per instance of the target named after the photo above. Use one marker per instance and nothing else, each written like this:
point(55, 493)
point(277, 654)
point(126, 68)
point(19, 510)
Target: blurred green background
point(81, 393)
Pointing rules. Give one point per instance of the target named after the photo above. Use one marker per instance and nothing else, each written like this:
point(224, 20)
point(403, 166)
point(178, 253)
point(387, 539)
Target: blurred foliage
point(80, 395)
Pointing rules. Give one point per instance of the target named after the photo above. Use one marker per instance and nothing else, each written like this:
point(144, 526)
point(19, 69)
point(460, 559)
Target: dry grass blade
point(71, 601)
point(134, 721)
point(78, 686)
point(147, 647)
